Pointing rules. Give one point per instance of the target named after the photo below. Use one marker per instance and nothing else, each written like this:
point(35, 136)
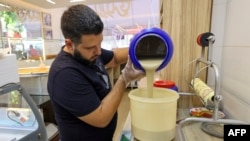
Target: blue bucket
point(156, 35)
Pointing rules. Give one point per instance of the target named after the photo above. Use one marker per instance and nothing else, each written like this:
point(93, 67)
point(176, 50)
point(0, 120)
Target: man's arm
point(102, 115)
point(120, 57)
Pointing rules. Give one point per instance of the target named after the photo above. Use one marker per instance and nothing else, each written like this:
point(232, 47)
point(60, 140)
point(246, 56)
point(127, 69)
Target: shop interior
point(30, 31)
point(30, 38)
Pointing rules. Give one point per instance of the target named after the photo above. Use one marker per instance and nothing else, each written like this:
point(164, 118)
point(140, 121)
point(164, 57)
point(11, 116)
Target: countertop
point(33, 71)
point(192, 130)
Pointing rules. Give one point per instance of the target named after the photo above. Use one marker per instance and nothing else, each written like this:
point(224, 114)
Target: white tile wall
point(217, 28)
point(237, 24)
point(232, 53)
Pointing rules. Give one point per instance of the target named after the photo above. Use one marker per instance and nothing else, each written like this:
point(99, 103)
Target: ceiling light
point(3, 5)
point(76, 0)
point(50, 1)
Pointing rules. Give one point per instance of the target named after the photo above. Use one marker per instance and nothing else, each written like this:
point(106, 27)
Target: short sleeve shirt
point(76, 89)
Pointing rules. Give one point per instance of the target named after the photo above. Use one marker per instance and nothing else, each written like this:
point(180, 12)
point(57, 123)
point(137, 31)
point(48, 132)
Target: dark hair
point(80, 20)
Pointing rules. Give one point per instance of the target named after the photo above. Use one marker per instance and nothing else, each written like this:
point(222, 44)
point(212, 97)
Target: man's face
point(89, 49)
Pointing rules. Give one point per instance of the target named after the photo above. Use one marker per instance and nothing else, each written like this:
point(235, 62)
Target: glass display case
point(20, 119)
point(30, 50)
point(23, 48)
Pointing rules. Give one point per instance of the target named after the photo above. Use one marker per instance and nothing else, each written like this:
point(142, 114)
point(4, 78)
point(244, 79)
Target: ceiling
point(65, 3)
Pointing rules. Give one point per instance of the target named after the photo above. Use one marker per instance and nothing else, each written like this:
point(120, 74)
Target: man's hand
point(129, 73)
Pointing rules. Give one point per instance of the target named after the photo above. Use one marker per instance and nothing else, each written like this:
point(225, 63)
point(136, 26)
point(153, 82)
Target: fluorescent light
point(50, 1)
point(76, 0)
point(3, 5)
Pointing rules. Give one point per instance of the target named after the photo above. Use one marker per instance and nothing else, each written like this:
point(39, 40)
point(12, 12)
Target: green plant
point(12, 22)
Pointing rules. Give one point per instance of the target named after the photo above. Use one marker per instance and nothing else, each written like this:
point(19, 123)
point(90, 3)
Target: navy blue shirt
point(76, 89)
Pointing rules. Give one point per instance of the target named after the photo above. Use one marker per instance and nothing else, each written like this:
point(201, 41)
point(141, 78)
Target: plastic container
point(151, 43)
point(166, 84)
point(153, 119)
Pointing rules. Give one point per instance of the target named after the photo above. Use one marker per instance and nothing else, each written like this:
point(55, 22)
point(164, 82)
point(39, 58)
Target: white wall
point(146, 15)
point(230, 24)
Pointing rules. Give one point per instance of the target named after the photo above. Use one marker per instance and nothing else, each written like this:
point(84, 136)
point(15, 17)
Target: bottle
point(151, 44)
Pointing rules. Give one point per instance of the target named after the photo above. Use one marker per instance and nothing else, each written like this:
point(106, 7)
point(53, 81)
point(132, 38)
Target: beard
point(77, 55)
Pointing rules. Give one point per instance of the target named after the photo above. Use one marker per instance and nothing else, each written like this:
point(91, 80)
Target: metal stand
point(208, 124)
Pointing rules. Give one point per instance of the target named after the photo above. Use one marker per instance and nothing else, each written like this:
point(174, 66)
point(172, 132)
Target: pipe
point(180, 134)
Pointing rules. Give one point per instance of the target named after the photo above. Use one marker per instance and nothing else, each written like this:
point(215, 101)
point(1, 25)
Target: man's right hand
point(129, 73)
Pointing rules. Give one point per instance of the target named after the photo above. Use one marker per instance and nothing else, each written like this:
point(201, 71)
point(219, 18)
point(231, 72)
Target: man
point(33, 52)
point(85, 105)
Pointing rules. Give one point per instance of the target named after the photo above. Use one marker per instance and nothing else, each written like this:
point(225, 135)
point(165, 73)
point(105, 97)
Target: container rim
point(173, 97)
point(149, 32)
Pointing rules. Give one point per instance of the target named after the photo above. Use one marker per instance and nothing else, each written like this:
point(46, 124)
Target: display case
point(29, 50)
point(23, 48)
point(19, 117)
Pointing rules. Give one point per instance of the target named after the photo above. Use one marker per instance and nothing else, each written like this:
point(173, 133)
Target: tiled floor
point(122, 115)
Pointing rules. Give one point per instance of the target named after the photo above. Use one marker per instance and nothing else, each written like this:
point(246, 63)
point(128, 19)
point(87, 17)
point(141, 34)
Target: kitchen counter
point(33, 71)
point(192, 130)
